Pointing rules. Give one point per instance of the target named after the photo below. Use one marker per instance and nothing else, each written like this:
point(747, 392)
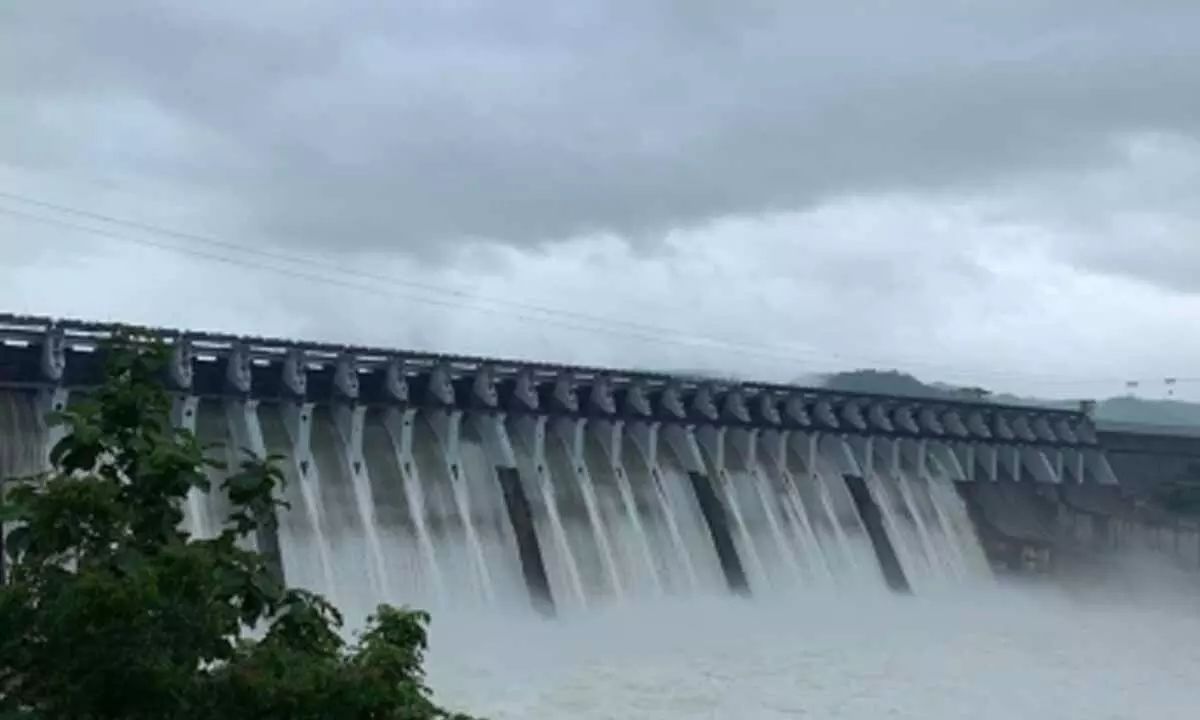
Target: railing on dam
point(417, 477)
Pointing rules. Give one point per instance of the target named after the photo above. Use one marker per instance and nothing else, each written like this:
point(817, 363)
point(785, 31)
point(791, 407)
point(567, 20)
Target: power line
point(676, 340)
point(321, 264)
point(644, 331)
point(656, 335)
point(460, 298)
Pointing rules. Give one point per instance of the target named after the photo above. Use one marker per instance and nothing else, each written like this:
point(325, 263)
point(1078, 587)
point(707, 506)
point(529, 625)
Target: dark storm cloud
point(356, 125)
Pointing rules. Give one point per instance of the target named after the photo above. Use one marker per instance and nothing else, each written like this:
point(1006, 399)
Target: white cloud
point(1003, 197)
point(948, 287)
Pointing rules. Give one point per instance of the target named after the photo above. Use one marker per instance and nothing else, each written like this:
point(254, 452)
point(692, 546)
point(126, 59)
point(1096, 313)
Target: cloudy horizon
point(987, 193)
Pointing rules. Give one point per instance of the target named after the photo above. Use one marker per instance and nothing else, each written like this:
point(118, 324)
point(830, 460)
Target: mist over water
point(988, 651)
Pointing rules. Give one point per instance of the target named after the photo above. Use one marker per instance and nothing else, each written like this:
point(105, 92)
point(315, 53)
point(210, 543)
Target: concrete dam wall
point(443, 482)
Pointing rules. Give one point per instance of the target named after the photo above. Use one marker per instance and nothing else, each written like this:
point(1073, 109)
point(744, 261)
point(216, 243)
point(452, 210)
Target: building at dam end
point(448, 481)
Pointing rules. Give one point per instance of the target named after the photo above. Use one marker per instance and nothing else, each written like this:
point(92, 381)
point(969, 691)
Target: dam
point(447, 482)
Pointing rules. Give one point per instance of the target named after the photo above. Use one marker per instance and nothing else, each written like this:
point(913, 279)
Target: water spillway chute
point(461, 482)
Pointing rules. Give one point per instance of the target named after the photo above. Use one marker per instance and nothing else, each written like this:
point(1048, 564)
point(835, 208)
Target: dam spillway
point(449, 482)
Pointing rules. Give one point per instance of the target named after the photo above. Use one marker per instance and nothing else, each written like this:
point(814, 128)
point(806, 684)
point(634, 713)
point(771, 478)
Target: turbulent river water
point(992, 651)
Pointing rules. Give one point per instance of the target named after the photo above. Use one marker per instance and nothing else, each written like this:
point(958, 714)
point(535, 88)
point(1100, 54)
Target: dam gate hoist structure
point(438, 480)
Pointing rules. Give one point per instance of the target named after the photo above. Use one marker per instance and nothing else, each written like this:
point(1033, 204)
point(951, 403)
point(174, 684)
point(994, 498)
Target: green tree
point(111, 610)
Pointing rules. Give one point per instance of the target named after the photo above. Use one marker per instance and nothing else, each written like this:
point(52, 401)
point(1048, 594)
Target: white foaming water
point(995, 652)
point(22, 442)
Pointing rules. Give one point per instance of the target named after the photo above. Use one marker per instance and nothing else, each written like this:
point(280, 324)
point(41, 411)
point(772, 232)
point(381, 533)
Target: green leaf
point(12, 512)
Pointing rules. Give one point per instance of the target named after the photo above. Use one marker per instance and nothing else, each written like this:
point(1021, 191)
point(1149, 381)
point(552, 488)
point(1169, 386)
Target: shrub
point(111, 610)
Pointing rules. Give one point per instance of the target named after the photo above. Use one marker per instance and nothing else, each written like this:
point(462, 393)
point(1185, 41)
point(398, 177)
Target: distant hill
point(889, 382)
point(1116, 409)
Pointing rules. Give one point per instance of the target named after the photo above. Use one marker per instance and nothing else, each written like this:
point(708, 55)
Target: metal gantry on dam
point(788, 435)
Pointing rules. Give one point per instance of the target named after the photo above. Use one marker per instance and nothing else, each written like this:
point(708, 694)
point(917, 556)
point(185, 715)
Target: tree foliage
point(111, 610)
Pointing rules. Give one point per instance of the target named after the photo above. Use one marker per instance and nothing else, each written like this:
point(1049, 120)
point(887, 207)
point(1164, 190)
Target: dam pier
point(444, 481)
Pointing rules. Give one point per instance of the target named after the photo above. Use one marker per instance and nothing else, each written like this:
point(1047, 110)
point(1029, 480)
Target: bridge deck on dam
point(441, 481)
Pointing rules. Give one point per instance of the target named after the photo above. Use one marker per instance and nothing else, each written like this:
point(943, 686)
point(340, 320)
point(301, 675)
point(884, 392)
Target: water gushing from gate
point(404, 507)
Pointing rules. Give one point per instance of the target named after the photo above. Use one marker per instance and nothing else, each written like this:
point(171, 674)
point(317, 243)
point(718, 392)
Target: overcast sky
point(998, 192)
